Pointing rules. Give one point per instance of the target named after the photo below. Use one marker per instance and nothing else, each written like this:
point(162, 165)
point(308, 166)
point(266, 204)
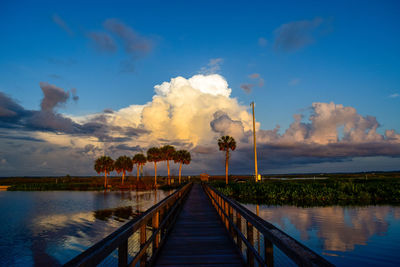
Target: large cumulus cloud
point(330, 123)
point(194, 112)
point(191, 113)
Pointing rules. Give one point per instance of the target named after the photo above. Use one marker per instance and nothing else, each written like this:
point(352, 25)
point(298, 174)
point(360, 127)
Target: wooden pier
point(199, 237)
point(197, 225)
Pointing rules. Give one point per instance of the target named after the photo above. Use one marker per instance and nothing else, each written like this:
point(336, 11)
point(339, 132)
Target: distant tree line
point(123, 164)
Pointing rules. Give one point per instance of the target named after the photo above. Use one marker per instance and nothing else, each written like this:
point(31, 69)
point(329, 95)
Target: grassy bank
point(54, 186)
point(82, 183)
point(315, 193)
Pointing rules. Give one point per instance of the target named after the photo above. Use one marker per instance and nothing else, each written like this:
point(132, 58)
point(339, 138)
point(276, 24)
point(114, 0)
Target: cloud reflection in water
point(338, 228)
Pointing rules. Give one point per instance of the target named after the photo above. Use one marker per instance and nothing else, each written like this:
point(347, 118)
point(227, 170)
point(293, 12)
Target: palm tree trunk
point(105, 180)
point(155, 173)
point(169, 179)
point(180, 171)
point(226, 166)
point(137, 172)
point(123, 176)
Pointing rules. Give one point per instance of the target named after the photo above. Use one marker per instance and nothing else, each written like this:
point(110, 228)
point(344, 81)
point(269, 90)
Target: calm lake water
point(50, 228)
point(346, 236)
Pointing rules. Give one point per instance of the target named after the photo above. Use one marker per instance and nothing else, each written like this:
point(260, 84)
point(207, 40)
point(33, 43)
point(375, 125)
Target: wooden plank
point(199, 237)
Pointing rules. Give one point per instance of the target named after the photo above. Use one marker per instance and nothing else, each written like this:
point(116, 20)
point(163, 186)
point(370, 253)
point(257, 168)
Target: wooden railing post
point(160, 219)
point(269, 252)
point(227, 209)
point(220, 205)
point(239, 225)
point(221, 208)
point(123, 254)
point(155, 224)
point(250, 238)
point(142, 242)
point(167, 211)
point(231, 228)
point(216, 203)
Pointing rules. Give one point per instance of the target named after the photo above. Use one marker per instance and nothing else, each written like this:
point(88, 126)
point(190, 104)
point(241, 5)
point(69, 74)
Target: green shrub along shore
point(56, 187)
point(315, 192)
point(69, 183)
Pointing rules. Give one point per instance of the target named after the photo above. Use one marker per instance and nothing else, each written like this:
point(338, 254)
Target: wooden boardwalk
point(198, 238)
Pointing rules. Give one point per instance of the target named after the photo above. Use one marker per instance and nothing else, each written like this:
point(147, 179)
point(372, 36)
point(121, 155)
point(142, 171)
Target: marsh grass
point(315, 192)
point(68, 183)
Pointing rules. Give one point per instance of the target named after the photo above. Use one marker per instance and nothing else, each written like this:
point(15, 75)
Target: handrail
point(227, 208)
point(165, 212)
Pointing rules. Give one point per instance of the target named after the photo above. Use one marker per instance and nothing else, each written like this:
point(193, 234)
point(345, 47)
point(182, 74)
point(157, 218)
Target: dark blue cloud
point(297, 34)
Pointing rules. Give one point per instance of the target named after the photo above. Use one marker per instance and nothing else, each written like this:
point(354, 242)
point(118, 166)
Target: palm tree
point(123, 164)
point(154, 155)
point(139, 160)
point(183, 157)
point(104, 164)
point(168, 152)
point(226, 143)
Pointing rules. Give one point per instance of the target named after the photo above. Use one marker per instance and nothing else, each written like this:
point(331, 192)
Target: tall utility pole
point(254, 139)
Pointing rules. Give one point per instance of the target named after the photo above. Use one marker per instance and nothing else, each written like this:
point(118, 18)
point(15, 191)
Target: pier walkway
point(199, 237)
point(197, 225)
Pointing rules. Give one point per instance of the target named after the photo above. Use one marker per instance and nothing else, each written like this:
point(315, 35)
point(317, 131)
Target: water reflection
point(338, 230)
point(49, 228)
point(120, 214)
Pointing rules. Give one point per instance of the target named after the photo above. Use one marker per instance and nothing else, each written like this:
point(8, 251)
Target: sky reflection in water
point(49, 228)
point(347, 236)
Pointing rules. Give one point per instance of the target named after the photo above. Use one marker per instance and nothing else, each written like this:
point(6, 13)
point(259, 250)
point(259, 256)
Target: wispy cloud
point(75, 97)
point(254, 76)
point(134, 45)
point(295, 35)
point(55, 76)
point(213, 66)
point(247, 87)
point(103, 41)
point(61, 62)
point(294, 82)
point(60, 22)
point(395, 95)
point(262, 42)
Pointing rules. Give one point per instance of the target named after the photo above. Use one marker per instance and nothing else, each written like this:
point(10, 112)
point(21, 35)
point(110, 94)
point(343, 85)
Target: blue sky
point(301, 52)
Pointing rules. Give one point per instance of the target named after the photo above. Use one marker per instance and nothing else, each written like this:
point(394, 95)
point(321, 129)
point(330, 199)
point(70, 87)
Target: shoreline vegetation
point(294, 189)
point(310, 193)
point(68, 183)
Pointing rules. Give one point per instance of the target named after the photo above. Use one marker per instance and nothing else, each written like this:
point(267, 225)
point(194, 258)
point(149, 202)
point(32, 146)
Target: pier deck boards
point(198, 237)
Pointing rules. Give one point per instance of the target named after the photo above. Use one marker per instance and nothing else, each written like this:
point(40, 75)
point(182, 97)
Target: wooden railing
point(247, 231)
point(139, 240)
